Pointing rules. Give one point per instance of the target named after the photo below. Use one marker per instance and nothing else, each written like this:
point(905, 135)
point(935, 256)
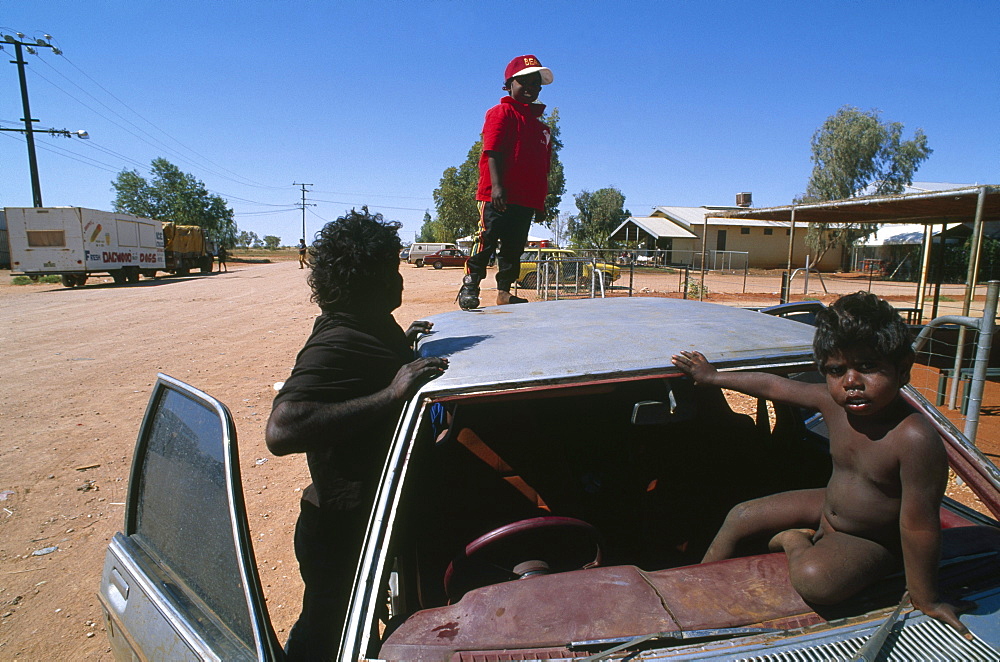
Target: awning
point(954, 206)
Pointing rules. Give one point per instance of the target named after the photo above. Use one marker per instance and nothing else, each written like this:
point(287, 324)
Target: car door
point(180, 581)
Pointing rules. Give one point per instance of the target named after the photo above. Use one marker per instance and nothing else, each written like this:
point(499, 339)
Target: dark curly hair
point(862, 319)
point(355, 262)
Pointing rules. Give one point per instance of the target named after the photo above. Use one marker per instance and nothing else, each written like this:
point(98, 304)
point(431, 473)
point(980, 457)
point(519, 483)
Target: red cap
point(527, 64)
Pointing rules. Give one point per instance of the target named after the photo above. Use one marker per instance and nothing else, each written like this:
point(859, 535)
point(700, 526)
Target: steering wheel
point(540, 545)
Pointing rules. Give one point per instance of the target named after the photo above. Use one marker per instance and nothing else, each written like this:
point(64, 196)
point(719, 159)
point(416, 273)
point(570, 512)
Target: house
point(675, 234)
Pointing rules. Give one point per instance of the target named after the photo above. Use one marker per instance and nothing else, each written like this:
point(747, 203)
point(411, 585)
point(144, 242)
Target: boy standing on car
point(513, 179)
point(339, 407)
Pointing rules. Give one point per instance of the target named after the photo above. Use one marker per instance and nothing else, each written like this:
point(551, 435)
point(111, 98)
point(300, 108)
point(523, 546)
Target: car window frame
point(265, 642)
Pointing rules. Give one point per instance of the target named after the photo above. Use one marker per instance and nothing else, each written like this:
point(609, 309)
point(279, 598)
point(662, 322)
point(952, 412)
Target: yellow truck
point(185, 247)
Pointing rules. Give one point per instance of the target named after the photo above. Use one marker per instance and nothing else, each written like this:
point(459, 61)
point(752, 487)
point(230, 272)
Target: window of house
point(768, 230)
point(744, 230)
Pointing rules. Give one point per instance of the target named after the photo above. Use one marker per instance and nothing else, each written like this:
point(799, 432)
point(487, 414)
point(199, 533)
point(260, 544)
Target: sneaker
point(503, 298)
point(468, 295)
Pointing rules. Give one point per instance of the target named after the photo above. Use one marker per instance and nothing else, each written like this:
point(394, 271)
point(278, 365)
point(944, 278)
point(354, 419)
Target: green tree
point(600, 212)
point(174, 196)
point(557, 178)
point(455, 197)
point(246, 239)
point(271, 242)
point(855, 153)
point(427, 230)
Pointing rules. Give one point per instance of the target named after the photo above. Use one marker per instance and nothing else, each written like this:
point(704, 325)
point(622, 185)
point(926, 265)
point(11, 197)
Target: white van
point(418, 251)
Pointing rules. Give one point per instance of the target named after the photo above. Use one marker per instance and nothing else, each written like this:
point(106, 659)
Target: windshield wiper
point(625, 643)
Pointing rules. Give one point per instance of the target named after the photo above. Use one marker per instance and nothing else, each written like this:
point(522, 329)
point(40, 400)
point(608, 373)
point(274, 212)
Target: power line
point(376, 195)
point(246, 181)
point(266, 212)
point(145, 136)
point(69, 155)
point(355, 204)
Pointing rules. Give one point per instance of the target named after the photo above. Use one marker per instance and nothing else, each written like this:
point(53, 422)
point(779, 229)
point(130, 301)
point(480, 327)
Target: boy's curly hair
point(355, 261)
point(862, 319)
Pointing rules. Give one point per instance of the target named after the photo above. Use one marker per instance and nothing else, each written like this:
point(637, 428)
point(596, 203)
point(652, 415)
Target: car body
point(561, 266)
point(448, 257)
point(546, 501)
point(418, 251)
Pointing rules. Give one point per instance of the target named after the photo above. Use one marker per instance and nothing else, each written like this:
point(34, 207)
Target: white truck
point(421, 249)
point(74, 242)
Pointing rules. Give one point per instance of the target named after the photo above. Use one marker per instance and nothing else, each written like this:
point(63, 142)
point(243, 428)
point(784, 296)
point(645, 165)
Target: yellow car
point(565, 267)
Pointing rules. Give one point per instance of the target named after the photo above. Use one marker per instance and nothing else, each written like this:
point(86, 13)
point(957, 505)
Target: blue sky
point(674, 103)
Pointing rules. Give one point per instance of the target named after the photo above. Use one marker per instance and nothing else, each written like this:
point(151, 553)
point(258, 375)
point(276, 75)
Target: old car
point(547, 504)
point(448, 257)
point(561, 266)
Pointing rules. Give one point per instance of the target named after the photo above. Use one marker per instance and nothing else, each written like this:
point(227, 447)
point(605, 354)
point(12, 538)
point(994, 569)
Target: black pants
point(327, 546)
point(508, 229)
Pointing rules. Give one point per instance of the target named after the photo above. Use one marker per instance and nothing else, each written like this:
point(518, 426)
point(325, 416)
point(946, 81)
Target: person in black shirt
point(303, 254)
point(222, 255)
point(340, 407)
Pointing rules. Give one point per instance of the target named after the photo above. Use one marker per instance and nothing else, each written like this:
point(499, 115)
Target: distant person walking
point(221, 256)
point(513, 179)
point(303, 254)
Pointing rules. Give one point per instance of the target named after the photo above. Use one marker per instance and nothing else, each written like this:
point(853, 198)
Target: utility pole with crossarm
point(303, 204)
point(29, 130)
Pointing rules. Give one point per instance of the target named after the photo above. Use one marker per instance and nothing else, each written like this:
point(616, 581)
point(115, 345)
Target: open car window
point(524, 522)
point(634, 473)
point(181, 577)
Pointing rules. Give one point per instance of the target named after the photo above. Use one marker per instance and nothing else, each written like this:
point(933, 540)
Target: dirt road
point(78, 368)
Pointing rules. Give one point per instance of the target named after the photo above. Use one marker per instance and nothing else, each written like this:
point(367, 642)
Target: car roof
point(577, 340)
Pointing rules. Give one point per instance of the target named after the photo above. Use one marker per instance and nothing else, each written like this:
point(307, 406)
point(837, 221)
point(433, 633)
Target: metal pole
point(979, 239)
point(939, 272)
point(36, 187)
point(303, 205)
point(631, 276)
point(791, 239)
point(970, 291)
point(987, 326)
point(704, 244)
point(925, 264)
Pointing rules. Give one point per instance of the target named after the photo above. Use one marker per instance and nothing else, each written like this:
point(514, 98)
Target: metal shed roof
point(955, 205)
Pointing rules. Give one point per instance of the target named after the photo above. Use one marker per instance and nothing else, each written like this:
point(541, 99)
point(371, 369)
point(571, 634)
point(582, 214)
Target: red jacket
point(524, 144)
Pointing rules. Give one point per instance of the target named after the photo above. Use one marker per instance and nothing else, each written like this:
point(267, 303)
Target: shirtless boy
point(889, 465)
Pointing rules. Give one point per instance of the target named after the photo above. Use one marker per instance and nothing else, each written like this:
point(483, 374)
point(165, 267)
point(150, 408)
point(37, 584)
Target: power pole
point(303, 204)
point(36, 187)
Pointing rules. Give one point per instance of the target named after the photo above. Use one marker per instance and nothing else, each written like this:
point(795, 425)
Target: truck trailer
point(76, 243)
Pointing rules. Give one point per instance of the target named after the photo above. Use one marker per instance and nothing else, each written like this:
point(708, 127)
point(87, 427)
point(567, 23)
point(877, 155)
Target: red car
point(448, 257)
